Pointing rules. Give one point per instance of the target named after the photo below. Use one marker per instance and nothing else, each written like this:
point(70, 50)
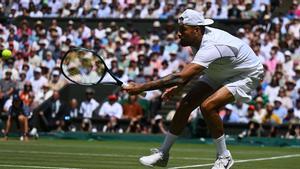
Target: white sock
point(221, 146)
point(168, 142)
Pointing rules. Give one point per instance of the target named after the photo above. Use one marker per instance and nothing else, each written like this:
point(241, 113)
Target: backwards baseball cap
point(193, 18)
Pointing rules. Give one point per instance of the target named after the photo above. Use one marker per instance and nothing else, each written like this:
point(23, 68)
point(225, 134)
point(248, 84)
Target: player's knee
point(21, 118)
point(207, 107)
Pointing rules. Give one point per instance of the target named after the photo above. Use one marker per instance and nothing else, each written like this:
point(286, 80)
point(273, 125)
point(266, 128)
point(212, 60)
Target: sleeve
point(81, 109)
point(206, 56)
point(119, 111)
point(102, 110)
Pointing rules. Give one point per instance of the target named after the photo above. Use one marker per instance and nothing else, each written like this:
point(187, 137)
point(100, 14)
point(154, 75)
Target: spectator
point(157, 126)
point(112, 111)
point(72, 113)
point(44, 94)
point(7, 88)
point(38, 80)
point(248, 13)
point(234, 12)
point(22, 80)
point(260, 108)
point(154, 99)
point(286, 101)
point(290, 117)
point(293, 132)
point(56, 83)
point(49, 61)
point(26, 94)
point(297, 109)
point(17, 112)
point(87, 108)
point(12, 69)
point(252, 115)
point(132, 110)
point(279, 110)
point(165, 70)
point(221, 10)
point(272, 90)
point(271, 117)
point(230, 117)
point(240, 108)
point(209, 10)
point(52, 113)
point(134, 126)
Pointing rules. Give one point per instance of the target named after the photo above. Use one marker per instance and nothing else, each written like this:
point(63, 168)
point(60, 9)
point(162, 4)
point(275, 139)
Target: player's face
point(187, 35)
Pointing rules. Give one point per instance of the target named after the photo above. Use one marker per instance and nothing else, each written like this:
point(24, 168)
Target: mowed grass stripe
point(125, 146)
point(119, 155)
point(66, 154)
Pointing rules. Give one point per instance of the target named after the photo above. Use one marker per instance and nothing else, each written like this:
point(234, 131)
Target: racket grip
point(124, 85)
point(143, 94)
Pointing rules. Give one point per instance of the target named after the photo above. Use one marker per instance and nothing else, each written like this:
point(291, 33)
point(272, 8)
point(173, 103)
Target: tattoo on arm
point(167, 81)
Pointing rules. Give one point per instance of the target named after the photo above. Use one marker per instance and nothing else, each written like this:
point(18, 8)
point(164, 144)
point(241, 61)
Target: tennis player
point(231, 71)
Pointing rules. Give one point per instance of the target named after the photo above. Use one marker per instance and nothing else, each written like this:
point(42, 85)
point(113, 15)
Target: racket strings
point(83, 67)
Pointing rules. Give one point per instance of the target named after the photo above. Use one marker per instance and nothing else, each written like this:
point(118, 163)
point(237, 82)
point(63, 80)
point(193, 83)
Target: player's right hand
point(133, 88)
point(169, 93)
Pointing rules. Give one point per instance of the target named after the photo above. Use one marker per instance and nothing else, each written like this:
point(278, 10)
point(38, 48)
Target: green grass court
point(50, 154)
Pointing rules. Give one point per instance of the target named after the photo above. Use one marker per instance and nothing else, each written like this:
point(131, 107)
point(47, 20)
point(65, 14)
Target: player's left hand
point(133, 88)
point(170, 92)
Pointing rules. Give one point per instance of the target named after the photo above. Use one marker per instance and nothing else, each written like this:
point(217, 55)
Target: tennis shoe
point(223, 162)
point(157, 158)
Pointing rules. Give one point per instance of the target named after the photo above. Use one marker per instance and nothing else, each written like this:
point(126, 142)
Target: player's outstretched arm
point(175, 79)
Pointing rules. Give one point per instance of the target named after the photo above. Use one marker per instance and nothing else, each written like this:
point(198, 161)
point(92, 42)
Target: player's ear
point(197, 30)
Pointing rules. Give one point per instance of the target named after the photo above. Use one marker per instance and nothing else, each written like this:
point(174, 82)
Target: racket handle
point(143, 94)
point(124, 85)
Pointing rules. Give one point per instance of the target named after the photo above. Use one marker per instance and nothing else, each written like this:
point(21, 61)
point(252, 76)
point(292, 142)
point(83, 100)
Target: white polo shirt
point(225, 56)
point(112, 110)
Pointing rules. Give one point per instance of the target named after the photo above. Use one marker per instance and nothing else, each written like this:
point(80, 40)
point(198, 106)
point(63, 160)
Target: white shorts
point(240, 85)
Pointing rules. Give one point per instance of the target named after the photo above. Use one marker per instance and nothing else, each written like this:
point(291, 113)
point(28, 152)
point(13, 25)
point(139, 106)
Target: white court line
point(95, 154)
point(30, 166)
point(241, 161)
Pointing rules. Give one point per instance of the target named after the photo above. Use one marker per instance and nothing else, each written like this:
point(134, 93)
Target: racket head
point(83, 66)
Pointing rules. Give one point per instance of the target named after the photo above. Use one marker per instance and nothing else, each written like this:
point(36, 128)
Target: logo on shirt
point(180, 20)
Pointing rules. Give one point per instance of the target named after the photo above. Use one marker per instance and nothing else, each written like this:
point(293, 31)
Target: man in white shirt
point(231, 71)
point(111, 108)
point(87, 108)
point(38, 80)
point(112, 111)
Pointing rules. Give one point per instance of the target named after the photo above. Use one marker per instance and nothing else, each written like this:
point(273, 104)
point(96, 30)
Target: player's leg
point(209, 109)
point(24, 126)
point(8, 126)
point(199, 92)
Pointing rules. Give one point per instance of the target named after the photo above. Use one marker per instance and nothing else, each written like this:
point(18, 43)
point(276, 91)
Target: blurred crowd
point(33, 72)
point(217, 9)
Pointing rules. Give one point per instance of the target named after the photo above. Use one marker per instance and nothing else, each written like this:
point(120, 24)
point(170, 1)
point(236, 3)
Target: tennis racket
point(85, 67)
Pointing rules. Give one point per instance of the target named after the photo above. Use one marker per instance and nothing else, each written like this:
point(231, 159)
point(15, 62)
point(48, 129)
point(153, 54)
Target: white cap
point(288, 53)
point(158, 117)
point(229, 107)
point(241, 30)
point(38, 69)
point(193, 18)
point(55, 72)
point(278, 99)
point(156, 24)
point(173, 52)
point(108, 30)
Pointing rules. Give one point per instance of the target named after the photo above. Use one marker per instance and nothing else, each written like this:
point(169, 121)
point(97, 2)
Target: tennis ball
point(6, 54)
